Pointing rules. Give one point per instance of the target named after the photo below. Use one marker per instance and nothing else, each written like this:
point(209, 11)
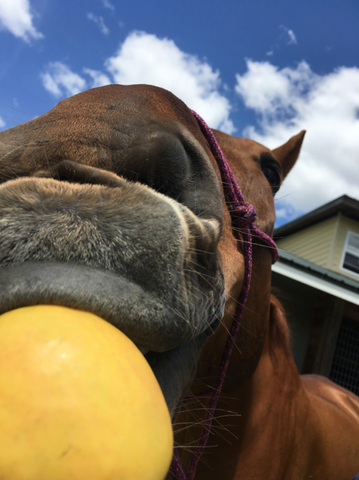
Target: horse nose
point(172, 163)
point(156, 159)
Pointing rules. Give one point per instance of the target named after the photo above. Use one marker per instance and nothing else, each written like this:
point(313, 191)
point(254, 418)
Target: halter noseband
point(243, 217)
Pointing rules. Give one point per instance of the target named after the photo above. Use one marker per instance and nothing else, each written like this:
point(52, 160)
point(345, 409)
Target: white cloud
point(107, 4)
point(144, 58)
point(98, 78)
point(61, 81)
point(2, 123)
point(292, 38)
point(289, 35)
point(290, 100)
point(15, 16)
point(271, 92)
point(99, 21)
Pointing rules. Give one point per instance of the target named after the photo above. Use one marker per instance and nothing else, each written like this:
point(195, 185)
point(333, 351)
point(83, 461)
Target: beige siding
point(323, 243)
point(346, 224)
point(315, 243)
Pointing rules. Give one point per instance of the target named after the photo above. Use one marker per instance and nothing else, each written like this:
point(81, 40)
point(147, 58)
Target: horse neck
point(274, 388)
point(257, 418)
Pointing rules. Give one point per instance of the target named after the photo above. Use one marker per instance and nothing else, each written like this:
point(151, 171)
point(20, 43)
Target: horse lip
point(138, 314)
point(174, 367)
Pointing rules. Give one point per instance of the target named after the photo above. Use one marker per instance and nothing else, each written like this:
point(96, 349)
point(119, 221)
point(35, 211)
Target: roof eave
point(346, 205)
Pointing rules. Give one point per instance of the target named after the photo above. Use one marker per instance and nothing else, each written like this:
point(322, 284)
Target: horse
point(114, 202)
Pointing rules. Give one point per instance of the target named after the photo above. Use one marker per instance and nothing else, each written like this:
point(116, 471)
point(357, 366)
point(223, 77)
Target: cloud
point(292, 38)
point(61, 81)
point(16, 17)
point(98, 78)
point(2, 123)
point(107, 4)
point(145, 58)
point(289, 35)
point(99, 21)
point(286, 36)
point(289, 100)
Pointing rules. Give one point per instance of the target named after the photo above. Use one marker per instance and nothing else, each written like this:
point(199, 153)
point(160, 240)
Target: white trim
point(315, 282)
point(346, 249)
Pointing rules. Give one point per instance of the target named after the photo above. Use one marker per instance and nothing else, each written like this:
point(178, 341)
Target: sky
point(262, 69)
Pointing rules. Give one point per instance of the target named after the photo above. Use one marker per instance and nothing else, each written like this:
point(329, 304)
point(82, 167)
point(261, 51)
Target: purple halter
point(243, 217)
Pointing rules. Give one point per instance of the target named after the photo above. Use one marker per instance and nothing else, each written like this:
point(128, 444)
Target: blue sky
point(261, 69)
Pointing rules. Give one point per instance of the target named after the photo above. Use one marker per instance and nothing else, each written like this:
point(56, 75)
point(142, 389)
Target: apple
point(78, 401)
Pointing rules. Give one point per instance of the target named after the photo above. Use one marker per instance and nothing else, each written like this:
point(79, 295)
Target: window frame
point(345, 250)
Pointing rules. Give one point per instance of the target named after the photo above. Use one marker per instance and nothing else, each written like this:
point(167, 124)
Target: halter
point(243, 217)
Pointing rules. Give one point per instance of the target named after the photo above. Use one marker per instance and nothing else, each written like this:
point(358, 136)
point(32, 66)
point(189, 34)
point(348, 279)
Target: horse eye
point(271, 172)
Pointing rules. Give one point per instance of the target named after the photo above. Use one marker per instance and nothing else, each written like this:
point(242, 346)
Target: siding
point(315, 243)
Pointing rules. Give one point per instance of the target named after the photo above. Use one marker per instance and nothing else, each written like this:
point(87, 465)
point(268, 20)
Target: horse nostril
point(158, 160)
point(70, 171)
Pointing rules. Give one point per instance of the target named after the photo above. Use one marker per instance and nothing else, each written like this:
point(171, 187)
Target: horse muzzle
point(130, 255)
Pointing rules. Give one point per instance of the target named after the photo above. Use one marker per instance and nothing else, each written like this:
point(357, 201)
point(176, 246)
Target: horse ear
point(288, 153)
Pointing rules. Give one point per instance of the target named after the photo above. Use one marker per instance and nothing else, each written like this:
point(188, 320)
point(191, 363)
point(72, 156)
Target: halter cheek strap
point(243, 217)
point(240, 211)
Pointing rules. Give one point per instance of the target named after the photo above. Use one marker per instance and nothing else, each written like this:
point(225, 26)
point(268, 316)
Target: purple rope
point(243, 216)
point(241, 212)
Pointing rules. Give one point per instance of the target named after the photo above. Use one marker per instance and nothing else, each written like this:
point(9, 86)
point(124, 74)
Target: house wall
point(314, 243)
point(323, 243)
point(321, 339)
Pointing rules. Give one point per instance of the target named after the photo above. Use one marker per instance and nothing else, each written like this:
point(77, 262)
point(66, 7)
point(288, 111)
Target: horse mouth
point(148, 290)
point(104, 294)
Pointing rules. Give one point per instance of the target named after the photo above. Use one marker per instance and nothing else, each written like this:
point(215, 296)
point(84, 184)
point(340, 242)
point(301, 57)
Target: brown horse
point(270, 422)
point(112, 202)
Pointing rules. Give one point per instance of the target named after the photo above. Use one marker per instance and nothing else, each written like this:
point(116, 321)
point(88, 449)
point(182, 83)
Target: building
point(317, 280)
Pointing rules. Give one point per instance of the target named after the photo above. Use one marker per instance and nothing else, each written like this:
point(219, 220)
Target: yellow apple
point(78, 401)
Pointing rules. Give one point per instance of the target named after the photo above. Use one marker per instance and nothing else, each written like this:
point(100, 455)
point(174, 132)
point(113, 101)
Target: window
point(345, 366)
point(350, 261)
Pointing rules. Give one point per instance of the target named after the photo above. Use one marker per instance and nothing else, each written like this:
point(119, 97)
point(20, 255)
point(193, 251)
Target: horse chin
point(118, 301)
point(175, 369)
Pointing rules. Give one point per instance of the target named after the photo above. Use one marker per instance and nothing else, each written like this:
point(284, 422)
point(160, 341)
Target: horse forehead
point(251, 144)
point(249, 149)
point(239, 149)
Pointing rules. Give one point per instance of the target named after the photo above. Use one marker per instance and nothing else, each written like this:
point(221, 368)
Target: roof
point(322, 279)
point(348, 206)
